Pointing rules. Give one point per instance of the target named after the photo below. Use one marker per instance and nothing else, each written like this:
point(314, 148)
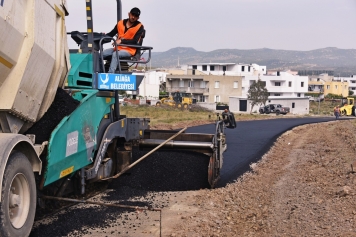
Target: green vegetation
point(325, 107)
point(169, 115)
point(257, 93)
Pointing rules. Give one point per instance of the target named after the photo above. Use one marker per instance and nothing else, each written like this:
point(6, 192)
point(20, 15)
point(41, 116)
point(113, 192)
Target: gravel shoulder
point(302, 187)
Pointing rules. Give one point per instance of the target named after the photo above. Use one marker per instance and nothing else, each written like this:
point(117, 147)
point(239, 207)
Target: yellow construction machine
point(347, 106)
point(178, 100)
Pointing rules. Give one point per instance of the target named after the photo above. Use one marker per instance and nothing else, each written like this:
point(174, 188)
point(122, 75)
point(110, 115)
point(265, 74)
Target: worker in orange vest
point(129, 31)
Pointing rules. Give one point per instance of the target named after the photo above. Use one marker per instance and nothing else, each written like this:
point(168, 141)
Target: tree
point(257, 93)
point(351, 93)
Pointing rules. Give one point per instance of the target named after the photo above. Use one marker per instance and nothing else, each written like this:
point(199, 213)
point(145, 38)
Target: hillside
point(341, 61)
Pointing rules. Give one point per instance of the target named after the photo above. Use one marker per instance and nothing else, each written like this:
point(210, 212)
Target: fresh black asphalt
point(250, 140)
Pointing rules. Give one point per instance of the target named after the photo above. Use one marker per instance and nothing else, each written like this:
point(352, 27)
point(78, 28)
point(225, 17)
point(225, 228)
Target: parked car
point(274, 108)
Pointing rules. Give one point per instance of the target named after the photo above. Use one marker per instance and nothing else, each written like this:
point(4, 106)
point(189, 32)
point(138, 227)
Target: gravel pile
point(63, 105)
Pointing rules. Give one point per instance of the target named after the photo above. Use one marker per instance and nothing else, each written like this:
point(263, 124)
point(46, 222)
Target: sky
point(207, 25)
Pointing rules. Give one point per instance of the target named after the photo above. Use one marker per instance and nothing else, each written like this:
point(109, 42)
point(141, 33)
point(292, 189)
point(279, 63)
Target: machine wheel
point(278, 112)
point(185, 106)
point(343, 112)
point(18, 197)
point(158, 104)
point(179, 106)
point(261, 111)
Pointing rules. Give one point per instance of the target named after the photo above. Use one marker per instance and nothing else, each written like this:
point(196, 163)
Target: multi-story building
point(281, 84)
point(213, 82)
point(351, 82)
point(324, 84)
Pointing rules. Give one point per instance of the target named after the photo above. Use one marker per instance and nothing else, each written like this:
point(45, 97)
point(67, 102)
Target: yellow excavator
point(347, 106)
point(178, 100)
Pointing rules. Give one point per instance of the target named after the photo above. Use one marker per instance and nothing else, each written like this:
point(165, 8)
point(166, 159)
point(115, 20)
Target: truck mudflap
point(10, 142)
point(212, 145)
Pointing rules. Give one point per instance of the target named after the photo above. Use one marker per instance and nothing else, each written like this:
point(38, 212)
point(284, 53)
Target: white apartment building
point(283, 85)
point(227, 69)
point(149, 87)
point(351, 81)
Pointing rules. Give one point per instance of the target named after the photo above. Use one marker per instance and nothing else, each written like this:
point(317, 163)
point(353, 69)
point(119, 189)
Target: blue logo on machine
point(109, 81)
point(2, 2)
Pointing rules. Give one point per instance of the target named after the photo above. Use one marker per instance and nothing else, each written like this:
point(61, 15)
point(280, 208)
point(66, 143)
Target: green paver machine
point(92, 143)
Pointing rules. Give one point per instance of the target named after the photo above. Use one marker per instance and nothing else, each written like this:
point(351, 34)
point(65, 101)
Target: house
point(324, 84)
point(212, 82)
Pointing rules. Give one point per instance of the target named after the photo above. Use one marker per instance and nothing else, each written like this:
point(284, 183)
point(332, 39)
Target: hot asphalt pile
point(63, 105)
point(161, 171)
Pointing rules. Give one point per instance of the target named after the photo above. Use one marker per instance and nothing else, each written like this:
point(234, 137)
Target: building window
point(249, 68)
point(290, 84)
point(236, 84)
point(191, 84)
point(336, 87)
point(353, 81)
point(195, 67)
point(298, 95)
point(345, 87)
point(251, 82)
point(181, 83)
point(277, 84)
point(202, 98)
point(224, 68)
point(302, 84)
point(217, 84)
point(277, 94)
point(202, 84)
point(242, 68)
point(205, 68)
point(217, 98)
point(353, 88)
point(293, 105)
point(328, 87)
point(212, 68)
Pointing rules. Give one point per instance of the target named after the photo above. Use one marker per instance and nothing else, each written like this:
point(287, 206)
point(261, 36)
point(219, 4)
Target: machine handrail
point(126, 45)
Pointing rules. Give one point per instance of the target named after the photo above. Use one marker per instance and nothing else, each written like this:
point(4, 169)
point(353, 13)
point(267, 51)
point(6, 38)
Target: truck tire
point(185, 106)
point(261, 111)
point(179, 106)
point(278, 112)
point(18, 197)
point(158, 104)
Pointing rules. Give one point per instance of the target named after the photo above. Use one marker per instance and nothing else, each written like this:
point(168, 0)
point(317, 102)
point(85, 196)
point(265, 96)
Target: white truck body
point(34, 59)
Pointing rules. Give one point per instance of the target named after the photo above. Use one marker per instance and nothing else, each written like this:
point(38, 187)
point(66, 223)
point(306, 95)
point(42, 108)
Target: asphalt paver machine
point(60, 122)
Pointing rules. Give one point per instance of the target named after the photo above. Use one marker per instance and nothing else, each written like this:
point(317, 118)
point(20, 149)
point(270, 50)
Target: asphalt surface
point(250, 140)
point(175, 171)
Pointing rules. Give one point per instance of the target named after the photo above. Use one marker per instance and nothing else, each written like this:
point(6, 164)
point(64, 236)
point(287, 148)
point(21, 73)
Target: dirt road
point(302, 187)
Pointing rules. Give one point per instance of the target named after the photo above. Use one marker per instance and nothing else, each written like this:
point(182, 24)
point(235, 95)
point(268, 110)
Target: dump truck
point(177, 99)
point(60, 122)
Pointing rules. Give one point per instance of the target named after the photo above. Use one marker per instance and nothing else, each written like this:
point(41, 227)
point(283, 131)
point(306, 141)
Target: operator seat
point(124, 65)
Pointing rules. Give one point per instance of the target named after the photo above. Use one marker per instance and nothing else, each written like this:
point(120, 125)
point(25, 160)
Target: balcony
point(193, 90)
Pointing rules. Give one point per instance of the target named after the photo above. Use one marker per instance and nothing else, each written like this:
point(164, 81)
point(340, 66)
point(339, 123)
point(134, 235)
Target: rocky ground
point(304, 186)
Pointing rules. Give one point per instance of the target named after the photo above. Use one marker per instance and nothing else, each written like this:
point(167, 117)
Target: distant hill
point(341, 61)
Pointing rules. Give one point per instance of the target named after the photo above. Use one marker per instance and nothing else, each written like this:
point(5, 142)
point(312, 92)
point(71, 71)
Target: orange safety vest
point(129, 35)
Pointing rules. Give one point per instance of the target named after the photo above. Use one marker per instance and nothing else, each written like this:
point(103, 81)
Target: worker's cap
point(135, 11)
